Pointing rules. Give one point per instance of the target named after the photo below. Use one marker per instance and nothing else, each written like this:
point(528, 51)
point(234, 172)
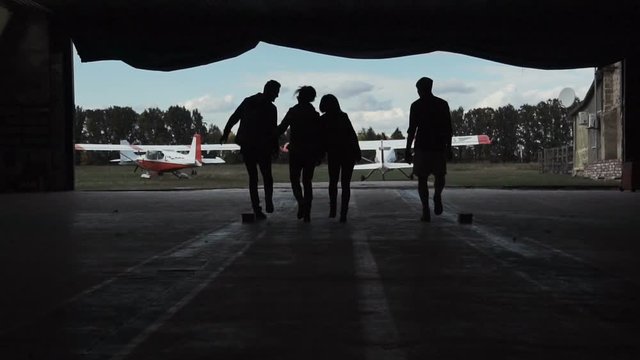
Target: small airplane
point(385, 155)
point(159, 159)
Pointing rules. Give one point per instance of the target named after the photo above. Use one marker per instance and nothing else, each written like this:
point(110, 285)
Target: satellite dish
point(567, 97)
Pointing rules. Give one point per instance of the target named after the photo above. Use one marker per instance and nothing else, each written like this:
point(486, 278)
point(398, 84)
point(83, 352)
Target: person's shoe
point(437, 204)
point(269, 206)
point(260, 215)
point(332, 210)
point(307, 212)
point(426, 215)
point(343, 215)
point(300, 211)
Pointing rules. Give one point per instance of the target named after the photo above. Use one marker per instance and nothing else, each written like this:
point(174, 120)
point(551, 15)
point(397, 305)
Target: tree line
point(516, 134)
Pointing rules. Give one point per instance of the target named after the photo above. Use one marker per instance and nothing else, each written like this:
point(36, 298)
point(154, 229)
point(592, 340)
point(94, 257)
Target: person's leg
point(345, 184)
point(294, 177)
point(439, 172)
point(252, 170)
point(423, 191)
point(334, 173)
point(267, 179)
point(307, 182)
point(438, 186)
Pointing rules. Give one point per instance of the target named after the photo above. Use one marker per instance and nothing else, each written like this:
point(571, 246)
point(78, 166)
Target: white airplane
point(158, 159)
point(385, 156)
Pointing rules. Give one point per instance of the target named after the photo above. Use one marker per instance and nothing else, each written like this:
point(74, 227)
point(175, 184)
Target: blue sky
point(375, 93)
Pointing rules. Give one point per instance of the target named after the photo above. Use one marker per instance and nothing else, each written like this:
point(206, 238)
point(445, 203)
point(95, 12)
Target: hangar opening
point(516, 107)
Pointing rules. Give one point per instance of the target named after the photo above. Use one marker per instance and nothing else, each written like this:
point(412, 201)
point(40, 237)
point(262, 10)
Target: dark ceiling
point(174, 34)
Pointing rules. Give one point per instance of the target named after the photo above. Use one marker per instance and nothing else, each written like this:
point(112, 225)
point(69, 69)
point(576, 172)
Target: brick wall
point(604, 169)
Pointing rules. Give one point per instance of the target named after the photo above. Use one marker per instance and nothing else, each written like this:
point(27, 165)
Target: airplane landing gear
point(180, 175)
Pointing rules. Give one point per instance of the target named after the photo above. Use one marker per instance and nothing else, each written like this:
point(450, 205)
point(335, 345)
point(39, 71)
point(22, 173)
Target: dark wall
point(36, 104)
point(632, 109)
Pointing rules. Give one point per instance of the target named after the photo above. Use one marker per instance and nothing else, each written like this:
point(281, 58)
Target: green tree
point(197, 123)
point(529, 133)
point(79, 119)
point(180, 124)
point(458, 124)
point(505, 140)
point(479, 121)
point(457, 127)
point(370, 134)
point(213, 135)
point(121, 123)
point(151, 128)
point(397, 134)
point(96, 126)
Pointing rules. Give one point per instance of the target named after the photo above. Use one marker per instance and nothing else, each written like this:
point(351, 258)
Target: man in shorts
point(430, 126)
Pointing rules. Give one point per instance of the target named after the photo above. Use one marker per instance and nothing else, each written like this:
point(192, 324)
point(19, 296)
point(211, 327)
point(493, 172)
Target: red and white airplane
point(159, 159)
point(385, 155)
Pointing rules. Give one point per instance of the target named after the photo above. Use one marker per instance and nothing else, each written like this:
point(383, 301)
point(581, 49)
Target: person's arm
point(449, 132)
point(285, 123)
point(273, 118)
point(357, 153)
point(233, 120)
point(449, 125)
point(411, 133)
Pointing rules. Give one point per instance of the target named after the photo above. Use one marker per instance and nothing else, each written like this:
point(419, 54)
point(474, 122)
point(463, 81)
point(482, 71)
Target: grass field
point(116, 177)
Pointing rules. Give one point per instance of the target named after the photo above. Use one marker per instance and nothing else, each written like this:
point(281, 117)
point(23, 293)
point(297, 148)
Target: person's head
point(424, 85)
point(271, 90)
point(306, 94)
point(329, 104)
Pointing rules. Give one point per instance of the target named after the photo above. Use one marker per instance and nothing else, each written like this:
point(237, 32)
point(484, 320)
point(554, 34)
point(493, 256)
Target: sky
point(374, 93)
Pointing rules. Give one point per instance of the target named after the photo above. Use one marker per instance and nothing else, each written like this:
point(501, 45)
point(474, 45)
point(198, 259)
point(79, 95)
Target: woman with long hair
point(305, 147)
point(343, 152)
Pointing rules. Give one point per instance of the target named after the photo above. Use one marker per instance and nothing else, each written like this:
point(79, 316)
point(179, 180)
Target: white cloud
point(381, 121)
point(210, 104)
point(348, 89)
point(518, 86)
point(497, 98)
point(454, 86)
point(370, 103)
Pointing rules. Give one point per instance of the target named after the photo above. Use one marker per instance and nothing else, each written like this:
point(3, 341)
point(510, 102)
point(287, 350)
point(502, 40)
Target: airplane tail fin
point(126, 156)
point(484, 139)
point(195, 151)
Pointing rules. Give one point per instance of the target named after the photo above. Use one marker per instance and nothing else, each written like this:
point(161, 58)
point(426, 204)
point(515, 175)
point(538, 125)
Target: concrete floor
point(550, 274)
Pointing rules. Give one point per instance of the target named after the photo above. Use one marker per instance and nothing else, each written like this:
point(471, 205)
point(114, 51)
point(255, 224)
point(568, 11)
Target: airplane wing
point(129, 147)
point(108, 147)
point(370, 144)
point(370, 166)
point(398, 165)
point(220, 147)
point(470, 140)
point(145, 148)
point(216, 160)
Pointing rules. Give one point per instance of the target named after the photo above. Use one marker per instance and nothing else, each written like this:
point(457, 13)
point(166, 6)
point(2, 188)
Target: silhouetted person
point(343, 152)
point(258, 140)
point(430, 125)
point(305, 147)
